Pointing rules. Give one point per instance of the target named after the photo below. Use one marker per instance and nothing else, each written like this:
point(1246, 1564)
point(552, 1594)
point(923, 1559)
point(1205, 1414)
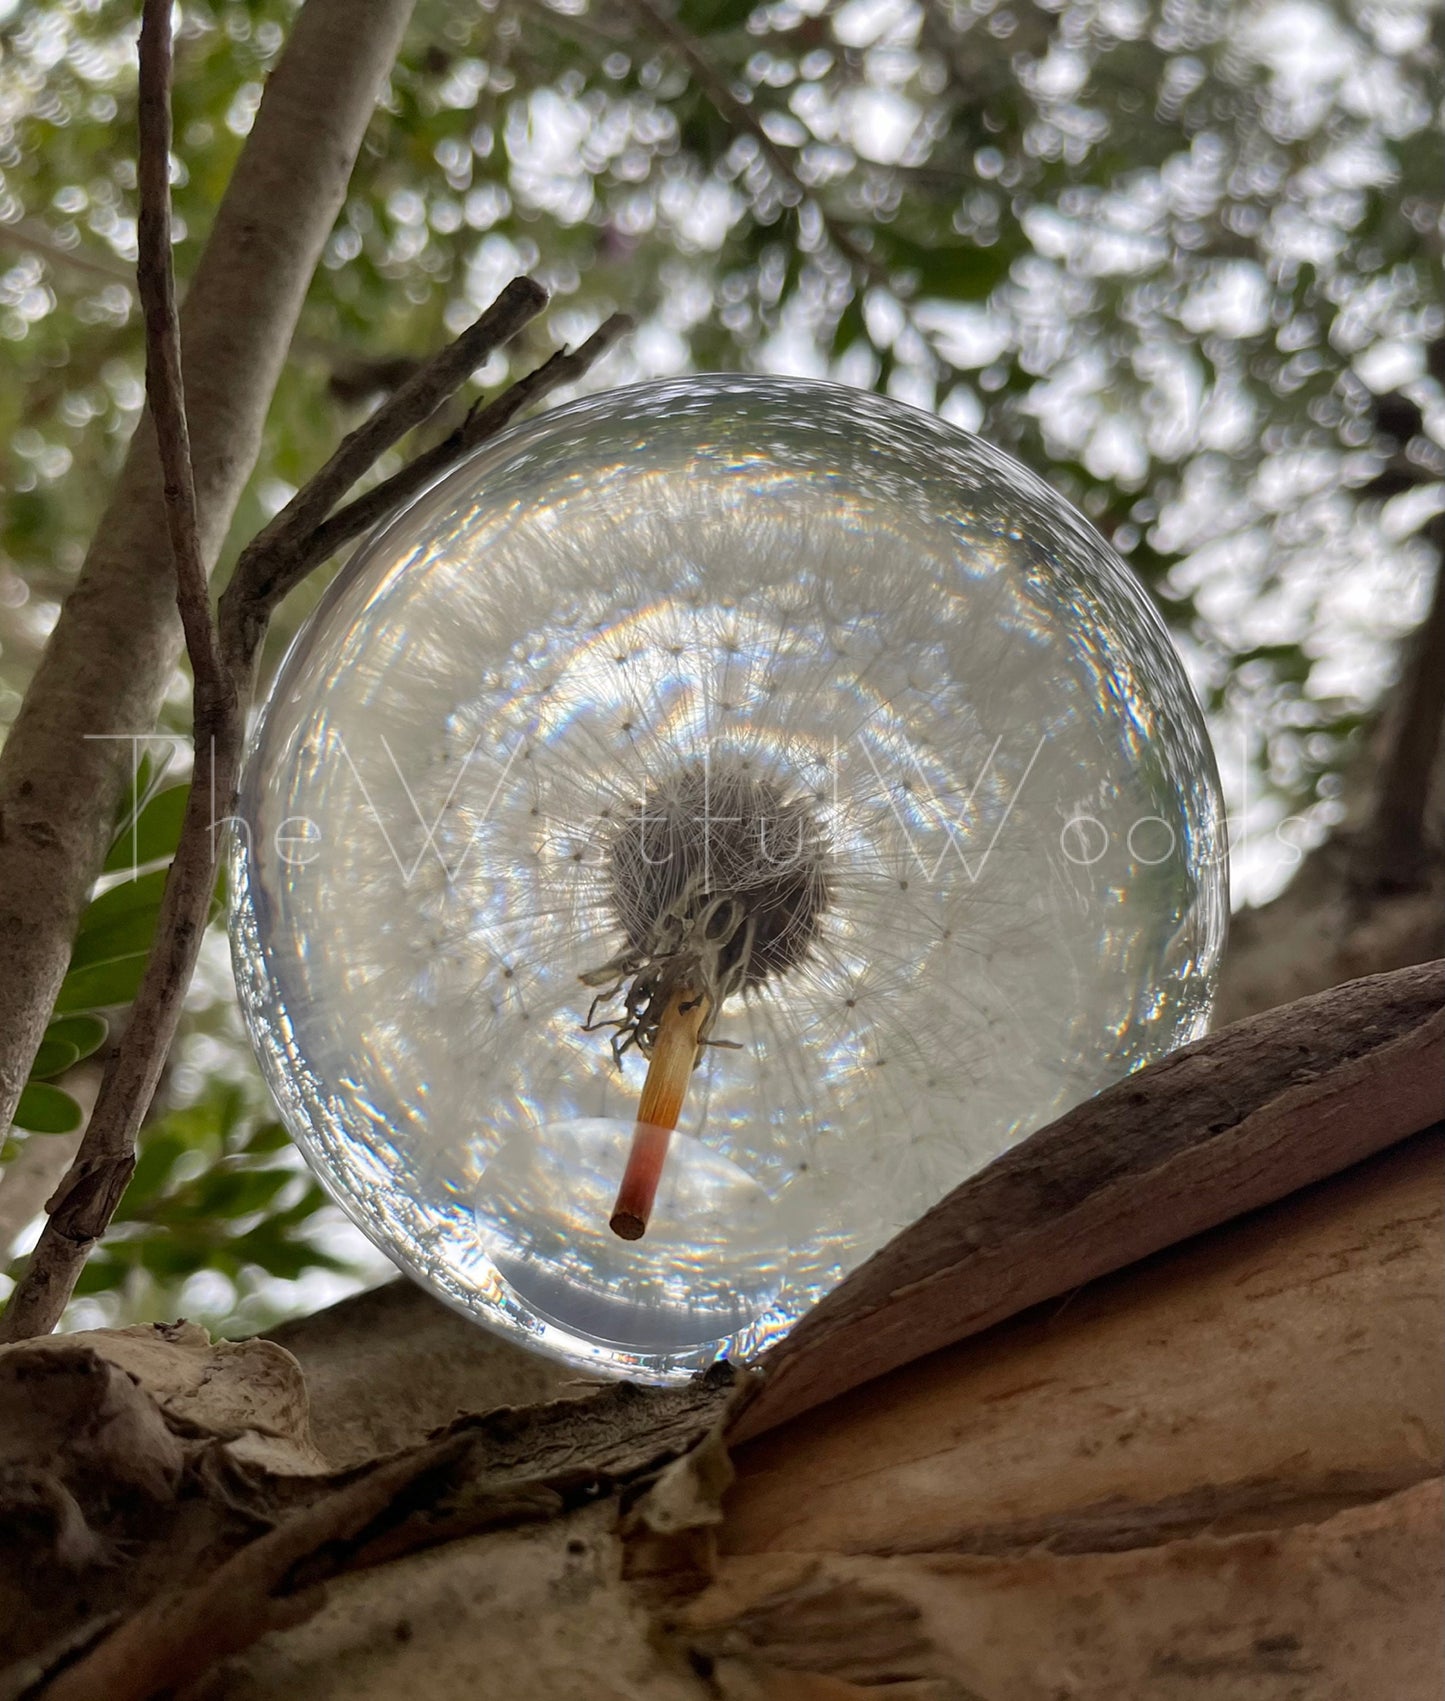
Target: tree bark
point(105, 670)
point(1216, 1473)
point(1222, 1126)
point(1221, 1463)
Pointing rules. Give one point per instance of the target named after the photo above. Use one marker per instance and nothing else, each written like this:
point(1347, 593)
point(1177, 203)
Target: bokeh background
point(1184, 259)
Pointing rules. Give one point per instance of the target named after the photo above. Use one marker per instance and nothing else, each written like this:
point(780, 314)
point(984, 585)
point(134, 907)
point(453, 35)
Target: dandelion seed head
point(781, 691)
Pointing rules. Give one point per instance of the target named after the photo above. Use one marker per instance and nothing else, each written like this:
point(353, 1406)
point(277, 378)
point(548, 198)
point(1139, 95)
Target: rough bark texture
point(195, 1464)
point(110, 656)
point(1227, 1124)
point(1216, 1473)
point(388, 1367)
point(1213, 1473)
point(1175, 1398)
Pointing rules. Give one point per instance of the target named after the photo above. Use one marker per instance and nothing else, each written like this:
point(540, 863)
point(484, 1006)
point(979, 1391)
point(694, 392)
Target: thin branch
point(83, 1204)
point(412, 404)
point(165, 388)
point(1393, 853)
point(368, 510)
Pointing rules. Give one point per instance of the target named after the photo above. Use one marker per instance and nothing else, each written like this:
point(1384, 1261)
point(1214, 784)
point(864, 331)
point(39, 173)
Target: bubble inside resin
point(769, 707)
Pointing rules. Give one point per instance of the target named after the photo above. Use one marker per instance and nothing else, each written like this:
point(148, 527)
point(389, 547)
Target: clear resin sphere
point(752, 793)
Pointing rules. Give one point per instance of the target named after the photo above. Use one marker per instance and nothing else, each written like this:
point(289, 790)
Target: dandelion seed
point(725, 791)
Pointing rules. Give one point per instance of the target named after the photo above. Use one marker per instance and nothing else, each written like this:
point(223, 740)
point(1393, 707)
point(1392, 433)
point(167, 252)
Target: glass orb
point(700, 832)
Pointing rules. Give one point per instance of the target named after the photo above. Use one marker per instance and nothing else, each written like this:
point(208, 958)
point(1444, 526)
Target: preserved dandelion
point(699, 833)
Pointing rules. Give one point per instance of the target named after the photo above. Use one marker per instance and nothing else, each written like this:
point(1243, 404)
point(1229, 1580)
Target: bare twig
point(165, 388)
point(85, 1201)
point(222, 657)
point(564, 367)
point(1393, 853)
point(407, 407)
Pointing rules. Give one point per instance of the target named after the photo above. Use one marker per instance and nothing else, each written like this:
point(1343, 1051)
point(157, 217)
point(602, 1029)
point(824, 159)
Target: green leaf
point(269, 1137)
point(101, 987)
point(278, 1255)
point(47, 1110)
point(86, 1033)
point(142, 893)
point(152, 834)
point(112, 945)
point(54, 1057)
point(128, 936)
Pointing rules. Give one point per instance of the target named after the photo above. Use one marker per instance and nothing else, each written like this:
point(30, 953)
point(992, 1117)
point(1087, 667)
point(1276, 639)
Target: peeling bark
point(1219, 1127)
point(1178, 1397)
point(1336, 1611)
point(1216, 1471)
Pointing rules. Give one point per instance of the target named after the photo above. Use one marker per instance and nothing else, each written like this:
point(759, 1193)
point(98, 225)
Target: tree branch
point(564, 367)
point(1223, 1126)
point(410, 405)
point(223, 655)
point(102, 678)
point(1393, 851)
point(85, 1201)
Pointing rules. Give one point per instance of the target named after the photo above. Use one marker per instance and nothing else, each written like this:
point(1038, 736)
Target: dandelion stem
point(674, 1054)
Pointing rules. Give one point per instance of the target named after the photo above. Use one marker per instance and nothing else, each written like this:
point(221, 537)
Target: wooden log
point(1238, 1119)
point(1215, 1472)
point(1280, 1367)
point(1213, 1466)
point(1345, 1610)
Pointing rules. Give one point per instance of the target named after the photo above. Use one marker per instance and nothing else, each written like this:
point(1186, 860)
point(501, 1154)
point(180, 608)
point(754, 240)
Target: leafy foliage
point(217, 1192)
point(1161, 253)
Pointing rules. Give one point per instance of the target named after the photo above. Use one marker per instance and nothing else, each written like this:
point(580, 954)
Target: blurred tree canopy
point(1184, 258)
